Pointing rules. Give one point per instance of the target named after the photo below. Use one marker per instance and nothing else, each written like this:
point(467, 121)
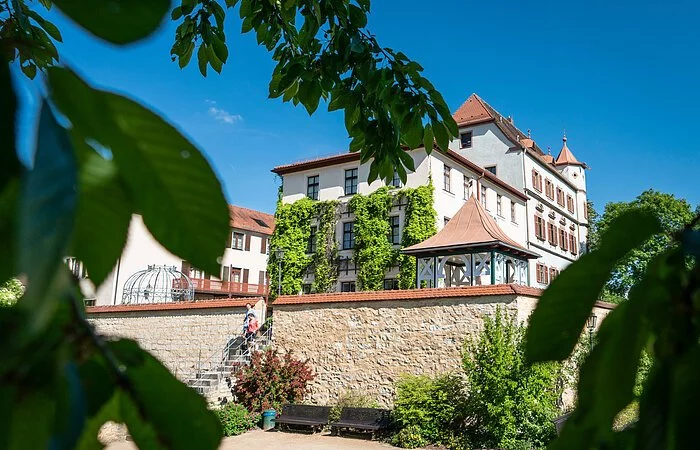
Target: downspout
point(116, 281)
point(478, 185)
point(527, 215)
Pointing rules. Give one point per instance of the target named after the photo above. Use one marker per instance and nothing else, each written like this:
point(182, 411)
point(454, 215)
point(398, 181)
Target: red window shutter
point(546, 278)
point(245, 276)
point(185, 268)
point(247, 242)
point(228, 239)
point(263, 245)
point(534, 178)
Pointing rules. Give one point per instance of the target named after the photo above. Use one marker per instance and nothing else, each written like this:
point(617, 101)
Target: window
point(541, 270)
point(552, 233)
point(563, 239)
point(499, 201)
point(396, 180)
point(348, 235)
point(536, 180)
point(394, 235)
point(391, 284)
point(447, 183)
point(347, 286)
point(560, 196)
point(549, 189)
point(467, 187)
point(306, 288)
point(312, 187)
point(465, 139)
point(491, 169)
point(445, 220)
point(573, 245)
point(483, 196)
point(311, 244)
point(570, 203)
point(351, 181)
point(539, 227)
point(237, 241)
point(513, 217)
point(235, 274)
point(553, 273)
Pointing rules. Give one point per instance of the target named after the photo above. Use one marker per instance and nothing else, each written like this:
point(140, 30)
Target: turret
point(574, 170)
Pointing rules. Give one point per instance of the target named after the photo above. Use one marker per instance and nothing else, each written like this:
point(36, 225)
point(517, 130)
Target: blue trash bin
point(269, 416)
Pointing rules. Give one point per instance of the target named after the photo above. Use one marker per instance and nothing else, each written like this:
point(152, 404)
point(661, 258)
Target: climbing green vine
point(325, 269)
point(373, 253)
point(419, 225)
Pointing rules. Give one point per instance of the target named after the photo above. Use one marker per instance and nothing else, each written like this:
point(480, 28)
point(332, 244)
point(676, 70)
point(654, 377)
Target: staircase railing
point(221, 363)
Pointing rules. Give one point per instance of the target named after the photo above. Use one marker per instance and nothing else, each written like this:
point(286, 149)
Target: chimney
point(510, 119)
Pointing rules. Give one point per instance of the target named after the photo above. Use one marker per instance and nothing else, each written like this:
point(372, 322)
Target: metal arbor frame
point(157, 284)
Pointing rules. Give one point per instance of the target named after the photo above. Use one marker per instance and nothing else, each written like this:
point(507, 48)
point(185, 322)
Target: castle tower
point(574, 170)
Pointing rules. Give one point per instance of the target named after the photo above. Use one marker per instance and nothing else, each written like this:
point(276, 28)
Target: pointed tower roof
point(473, 110)
point(566, 157)
point(472, 228)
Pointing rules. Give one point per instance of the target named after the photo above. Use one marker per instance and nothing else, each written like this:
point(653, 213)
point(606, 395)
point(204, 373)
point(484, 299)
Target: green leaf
point(231, 3)
point(9, 164)
point(313, 96)
point(158, 393)
point(215, 63)
point(47, 210)
point(119, 23)
point(29, 70)
point(176, 13)
point(171, 183)
point(186, 56)
point(202, 59)
point(564, 307)
point(685, 397)
point(357, 16)
point(428, 138)
point(31, 421)
point(407, 161)
point(103, 214)
point(49, 27)
point(9, 204)
point(441, 136)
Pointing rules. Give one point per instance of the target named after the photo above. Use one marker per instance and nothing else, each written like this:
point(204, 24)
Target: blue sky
point(622, 79)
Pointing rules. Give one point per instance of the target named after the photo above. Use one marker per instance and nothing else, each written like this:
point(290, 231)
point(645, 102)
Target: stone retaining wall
point(179, 334)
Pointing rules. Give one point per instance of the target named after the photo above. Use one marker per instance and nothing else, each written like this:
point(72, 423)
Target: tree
point(510, 403)
point(673, 213)
point(100, 157)
point(10, 292)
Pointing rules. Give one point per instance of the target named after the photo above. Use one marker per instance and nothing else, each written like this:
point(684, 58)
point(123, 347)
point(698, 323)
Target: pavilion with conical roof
point(470, 250)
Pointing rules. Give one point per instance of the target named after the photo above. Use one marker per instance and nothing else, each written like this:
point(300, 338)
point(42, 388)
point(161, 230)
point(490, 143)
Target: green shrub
point(235, 419)
point(433, 406)
point(351, 399)
point(409, 437)
point(509, 401)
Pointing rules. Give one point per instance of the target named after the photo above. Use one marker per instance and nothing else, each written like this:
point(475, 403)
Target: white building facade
point(537, 201)
point(243, 263)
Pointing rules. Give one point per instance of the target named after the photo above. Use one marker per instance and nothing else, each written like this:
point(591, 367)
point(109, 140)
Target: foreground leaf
point(118, 22)
point(46, 213)
point(171, 183)
point(9, 164)
point(564, 307)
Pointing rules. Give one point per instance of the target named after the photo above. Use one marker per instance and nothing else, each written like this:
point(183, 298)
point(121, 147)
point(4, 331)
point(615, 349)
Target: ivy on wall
point(419, 225)
point(325, 269)
point(373, 252)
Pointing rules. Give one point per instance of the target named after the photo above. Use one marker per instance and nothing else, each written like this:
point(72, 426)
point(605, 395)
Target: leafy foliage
point(409, 437)
point(673, 213)
point(235, 419)
point(659, 316)
point(325, 271)
point(510, 401)
point(271, 381)
point(431, 406)
point(419, 225)
point(10, 292)
point(373, 252)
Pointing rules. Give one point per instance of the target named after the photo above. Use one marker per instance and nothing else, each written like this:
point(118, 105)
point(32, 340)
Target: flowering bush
point(271, 381)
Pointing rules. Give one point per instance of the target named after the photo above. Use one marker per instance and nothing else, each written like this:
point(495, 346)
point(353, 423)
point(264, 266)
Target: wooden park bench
point(314, 417)
point(369, 420)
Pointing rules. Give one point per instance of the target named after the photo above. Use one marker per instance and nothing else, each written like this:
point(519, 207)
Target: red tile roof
point(251, 220)
point(472, 111)
point(471, 227)
point(409, 294)
point(199, 304)
point(566, 157)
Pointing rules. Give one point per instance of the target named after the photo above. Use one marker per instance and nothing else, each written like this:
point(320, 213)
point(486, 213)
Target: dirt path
point(273, 440)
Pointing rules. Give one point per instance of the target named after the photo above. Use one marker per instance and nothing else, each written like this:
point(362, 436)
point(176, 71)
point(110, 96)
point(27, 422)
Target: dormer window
point(465, 139)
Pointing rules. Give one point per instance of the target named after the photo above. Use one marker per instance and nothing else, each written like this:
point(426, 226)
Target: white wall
point(254, 260)
point(491, 148)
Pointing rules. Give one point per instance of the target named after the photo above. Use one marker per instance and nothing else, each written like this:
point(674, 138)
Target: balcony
point(228, 287)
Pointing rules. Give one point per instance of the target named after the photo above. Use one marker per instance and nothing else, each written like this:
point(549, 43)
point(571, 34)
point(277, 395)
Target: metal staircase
point(222, 364)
